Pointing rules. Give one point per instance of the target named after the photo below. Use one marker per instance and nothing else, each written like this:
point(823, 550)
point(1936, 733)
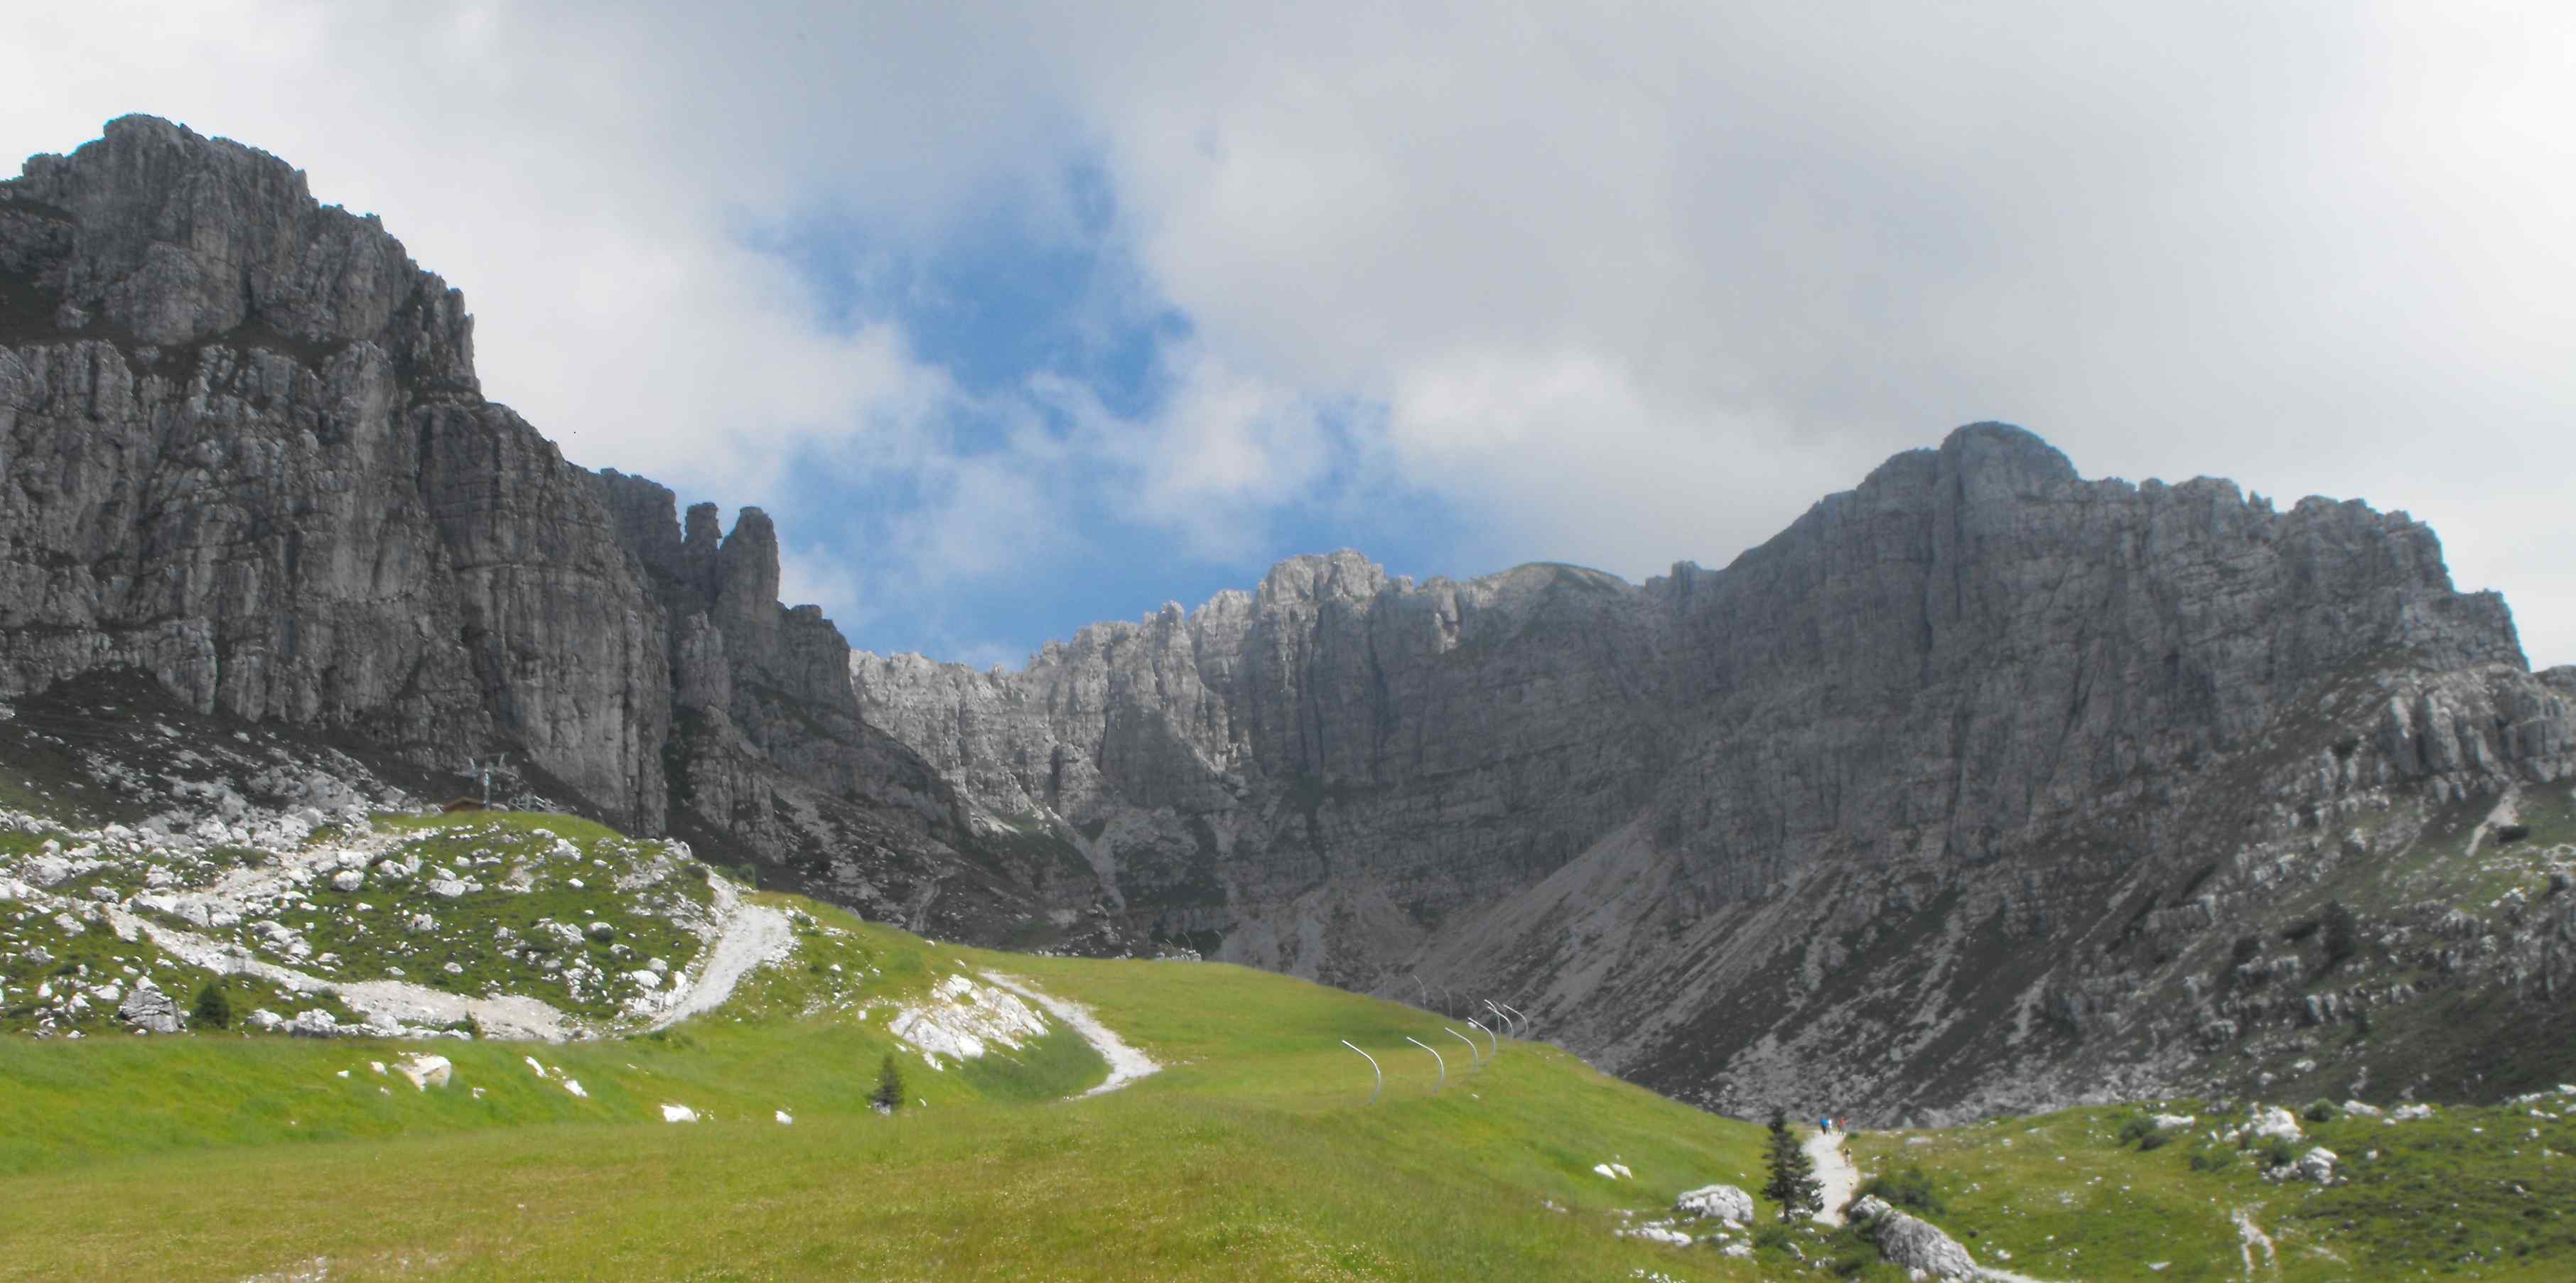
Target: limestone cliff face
point(1975, 709)
point(246, 452)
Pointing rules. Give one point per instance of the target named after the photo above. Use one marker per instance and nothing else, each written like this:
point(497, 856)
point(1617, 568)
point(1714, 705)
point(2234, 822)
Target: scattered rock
point(679, 1114)
point(348, 880)
point(2276, 1122)
point(148, 1010)
point(1913, 1243)
point(315, 1023)
point(425, 1072)
point(1718, 1202)
point(1658, 1234)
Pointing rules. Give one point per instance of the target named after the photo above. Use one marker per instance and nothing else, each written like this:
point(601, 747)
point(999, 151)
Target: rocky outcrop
point(1718, 1202)
point(247, 455)
point(1913, 1243)
point(1910, 768)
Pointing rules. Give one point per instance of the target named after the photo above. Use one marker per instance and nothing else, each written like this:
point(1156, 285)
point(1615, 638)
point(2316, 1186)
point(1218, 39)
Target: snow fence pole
point(1516, 1013)
point(1474, 1057)
point(1482, 1027)
point(1381, 1074)
point(1435, 1059)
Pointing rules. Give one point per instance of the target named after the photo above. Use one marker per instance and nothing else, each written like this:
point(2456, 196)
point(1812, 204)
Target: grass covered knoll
point(2470, 1193)
point(1252, 1155)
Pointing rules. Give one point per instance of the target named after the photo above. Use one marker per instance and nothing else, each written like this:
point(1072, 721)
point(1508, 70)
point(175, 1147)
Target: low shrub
point(1910, 1189)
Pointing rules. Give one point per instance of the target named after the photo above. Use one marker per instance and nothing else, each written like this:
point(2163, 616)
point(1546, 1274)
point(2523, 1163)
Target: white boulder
point(1913, 1243)
point(2318, 1166)
point(348, 880)
point(425, 1072)
point(2276, 1122)
point(148, 1009)
point(1718, 1202)
point(679, 1114)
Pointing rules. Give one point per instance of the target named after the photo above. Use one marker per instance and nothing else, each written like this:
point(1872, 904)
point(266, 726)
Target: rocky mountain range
point(1982, 785)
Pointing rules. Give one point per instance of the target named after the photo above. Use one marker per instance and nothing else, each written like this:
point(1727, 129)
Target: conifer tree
point(889, 1093)
point(1793, 1183)
point(214, 1007)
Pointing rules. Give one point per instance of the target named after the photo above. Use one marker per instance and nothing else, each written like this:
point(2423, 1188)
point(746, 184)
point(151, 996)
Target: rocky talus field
point(2170, 881)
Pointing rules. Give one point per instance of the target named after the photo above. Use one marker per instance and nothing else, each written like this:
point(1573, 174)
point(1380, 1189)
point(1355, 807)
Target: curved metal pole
point(1474, 1057)
point(1418, 985)
point(1499, 1017)
point(1525, 1021)
point(1481, 1027)
point(1435, 1059)
point(1381, 1074)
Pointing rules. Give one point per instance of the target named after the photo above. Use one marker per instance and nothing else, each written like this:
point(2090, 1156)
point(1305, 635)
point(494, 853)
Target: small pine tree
point(889, 1093)
point(1793, 1184)
point(214, 1008)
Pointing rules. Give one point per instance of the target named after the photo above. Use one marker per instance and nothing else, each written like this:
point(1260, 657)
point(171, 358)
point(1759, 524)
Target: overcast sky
point(1022, 317)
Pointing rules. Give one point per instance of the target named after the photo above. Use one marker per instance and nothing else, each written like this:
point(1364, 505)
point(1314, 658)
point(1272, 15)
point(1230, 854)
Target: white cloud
point(1616, 286)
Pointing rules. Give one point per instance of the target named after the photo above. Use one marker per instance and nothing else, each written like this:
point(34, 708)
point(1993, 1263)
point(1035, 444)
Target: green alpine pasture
point(1255, 1152)
point(2469, 1193)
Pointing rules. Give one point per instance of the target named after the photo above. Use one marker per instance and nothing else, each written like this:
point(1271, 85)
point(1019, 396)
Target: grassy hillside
point(1253, 1154)
point(2469, 1193)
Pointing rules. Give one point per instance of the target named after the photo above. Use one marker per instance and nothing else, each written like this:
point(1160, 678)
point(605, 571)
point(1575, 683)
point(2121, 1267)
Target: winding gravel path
point(1126, 1064)
point(510, 1016)
point(1835, 1173)
point(751, 935)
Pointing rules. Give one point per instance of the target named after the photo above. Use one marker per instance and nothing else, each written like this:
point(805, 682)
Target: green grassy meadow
point(2471, 1193)
point(1253, 1154)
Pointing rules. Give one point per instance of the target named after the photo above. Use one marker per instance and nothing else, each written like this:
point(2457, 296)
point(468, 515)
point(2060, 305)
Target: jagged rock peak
point(160, 235)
